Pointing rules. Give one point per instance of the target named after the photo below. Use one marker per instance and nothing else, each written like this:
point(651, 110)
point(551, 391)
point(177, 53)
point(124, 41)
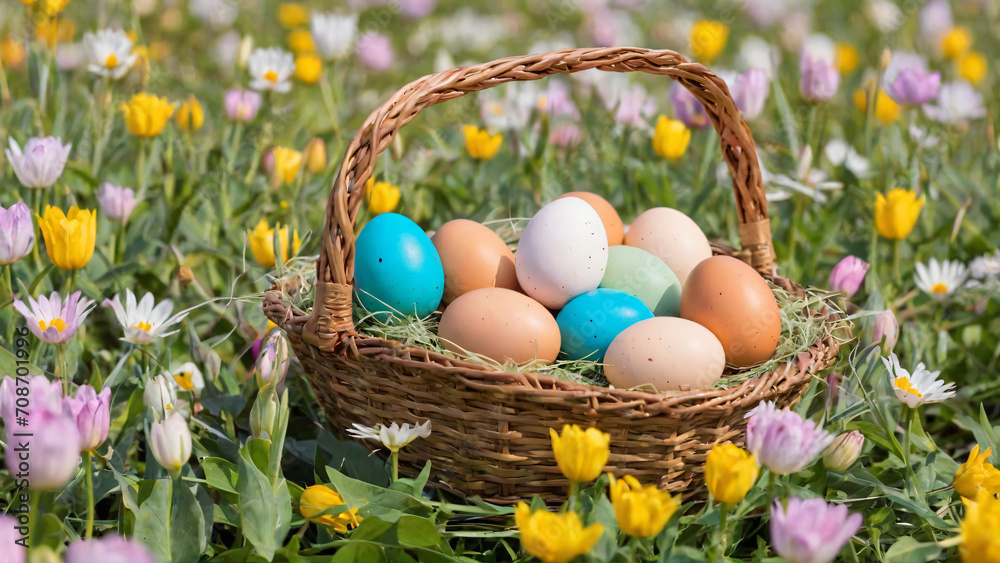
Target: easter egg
point(672, 237)
point(729, 298)
point(397, 269)
point(562, 253)
point(609, 217)
point(640, 274)
point(473, 257)
point(500, 324)
point(670, 353)
point(589, 322)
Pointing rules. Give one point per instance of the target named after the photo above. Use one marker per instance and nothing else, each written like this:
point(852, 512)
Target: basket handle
point(331, 319)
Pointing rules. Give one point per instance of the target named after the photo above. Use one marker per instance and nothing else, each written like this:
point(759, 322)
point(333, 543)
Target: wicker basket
point(491, 429)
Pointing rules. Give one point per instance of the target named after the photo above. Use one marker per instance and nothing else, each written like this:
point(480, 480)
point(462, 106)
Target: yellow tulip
point(956, 42)
point(12, 53)
point(315, 156)
point(190, 116)
point(69, 238)
point(671, 138)
point(886, 110)
point(896, 213)
point(641, 511)
point(980, 540)
point(480, 144)
point(976, 474)
point(973, 66)
point(581, 454)
point(730, 473)
point(554, 538)
point(261, 240)
point(308, 68)
point(317, 498)
point(146, 115)
point(56, 30)
point(847, 57)
point(286, 165)
point(382, 197)
point(708, 39)
point(293, 15)
point(49, 7)
point(300, 41)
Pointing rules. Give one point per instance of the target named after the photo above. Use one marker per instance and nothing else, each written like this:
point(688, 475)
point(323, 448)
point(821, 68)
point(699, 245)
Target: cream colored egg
point(670, 353)
point(672, 237)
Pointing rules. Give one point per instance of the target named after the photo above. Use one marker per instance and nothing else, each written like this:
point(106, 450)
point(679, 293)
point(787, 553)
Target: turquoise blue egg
point(397, 269)
point(590, 321)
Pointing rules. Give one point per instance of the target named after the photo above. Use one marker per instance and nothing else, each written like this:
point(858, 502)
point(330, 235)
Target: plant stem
point(36, 204)
point(89, 480)
point(908, 414)
point(573, 488)
point(720, 547)
point(61, 367)
point(140, 170)
point(8, 283)
point(394, 461)
point(895, 262)
point(34, 512)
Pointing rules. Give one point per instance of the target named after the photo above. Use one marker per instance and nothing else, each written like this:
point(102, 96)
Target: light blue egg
point(589, 322)
point(397, 269)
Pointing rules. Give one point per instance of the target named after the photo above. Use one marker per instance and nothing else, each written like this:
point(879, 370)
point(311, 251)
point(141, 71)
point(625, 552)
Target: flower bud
point(848, 275)
point(841, 454)
point(190, 116)
point(184, 275)
point(315, 155)
point(55, 450)
point(886, 330)
point(272, 363)
point(243, 54)
point(264, 414)
point(91, 412)
point(170, 441)
point(160, 396)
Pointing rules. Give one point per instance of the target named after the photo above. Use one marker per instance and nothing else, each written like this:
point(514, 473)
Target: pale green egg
point(644, 276)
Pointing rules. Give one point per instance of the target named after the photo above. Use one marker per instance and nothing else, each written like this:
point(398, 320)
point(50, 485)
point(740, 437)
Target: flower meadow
point(166, 162)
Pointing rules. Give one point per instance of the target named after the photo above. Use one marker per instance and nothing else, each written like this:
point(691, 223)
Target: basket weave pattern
point(491, 428)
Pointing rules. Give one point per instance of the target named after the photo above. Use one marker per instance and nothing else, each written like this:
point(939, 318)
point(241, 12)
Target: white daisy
point(986, 265)
point(109, 52)
point(940, 279)
point(394, 437)
point(143, 322)
point(333, 34)
point(921, 387)
point(271, 69)
point(188, 377)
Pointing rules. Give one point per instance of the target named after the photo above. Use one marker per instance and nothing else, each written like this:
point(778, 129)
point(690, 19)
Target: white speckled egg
point(562, 253)
point(670, 353)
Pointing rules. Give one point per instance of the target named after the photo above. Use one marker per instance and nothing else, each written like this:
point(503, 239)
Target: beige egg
point(500, 324)
point(672, 237)
point(609, 216)
point(473, 257)
point(729, 298)
point(670, 353)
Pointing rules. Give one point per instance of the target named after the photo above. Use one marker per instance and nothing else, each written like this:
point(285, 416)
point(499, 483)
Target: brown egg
point(473, 257)
point(502, 325)
point(609, 217)
point(733, 301)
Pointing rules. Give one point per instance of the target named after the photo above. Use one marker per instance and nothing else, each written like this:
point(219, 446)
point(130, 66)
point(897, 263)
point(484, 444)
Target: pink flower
point(54, 446)
point(687, 107)
point(886, 330)
point(92, 413)
point(12, 552)
point(750, 91)
point(53, 320)
point(820, 78)
point(42, 161)
point(566, 135)
point(848, 275)
point(44, 395)
point(242, 105)
point(811, 531)
point(907, 80)
point(17, 233)
point(375, 51)
point(414, 9)
point(116, 201)
point(108, 549)
point(783, 441)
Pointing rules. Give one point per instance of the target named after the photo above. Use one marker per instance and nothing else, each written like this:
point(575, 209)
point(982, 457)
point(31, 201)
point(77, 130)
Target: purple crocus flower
point(53, 320)
point(55, 450)
point(92, 413)
point(375, 51)
point(811, 531)
point(242, 105)
point(957, 102)
point(17, 233)
point(116, 201)
point(848, 275)
point(687, 108)
point(907, 80)
point(12, 552)
point(108, 549)
point(820, 78)
point(750, 90)
point(42, 161)
point(782, 441)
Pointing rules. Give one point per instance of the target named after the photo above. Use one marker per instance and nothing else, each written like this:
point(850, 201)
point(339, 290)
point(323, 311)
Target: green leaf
point(170, 522)
point(221, 474)
point(359, 552)
point(265, 509)
point(417, 532)
point(908, 550)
